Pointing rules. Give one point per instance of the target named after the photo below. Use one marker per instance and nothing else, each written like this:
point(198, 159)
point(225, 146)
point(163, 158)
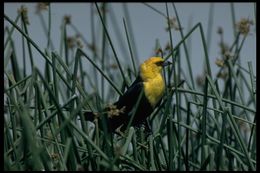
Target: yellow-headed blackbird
point(140, 99)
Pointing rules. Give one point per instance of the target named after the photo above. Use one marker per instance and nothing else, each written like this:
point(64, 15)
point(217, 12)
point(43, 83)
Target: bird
point(138, 101)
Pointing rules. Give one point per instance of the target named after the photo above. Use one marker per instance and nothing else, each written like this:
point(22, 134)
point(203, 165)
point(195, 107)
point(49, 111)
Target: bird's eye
point(159, 63)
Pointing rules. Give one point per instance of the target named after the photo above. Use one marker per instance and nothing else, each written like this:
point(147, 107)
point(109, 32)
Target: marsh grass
point(198, 126)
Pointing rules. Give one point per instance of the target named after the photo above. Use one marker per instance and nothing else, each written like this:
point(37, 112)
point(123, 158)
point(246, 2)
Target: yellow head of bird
point(152, 67)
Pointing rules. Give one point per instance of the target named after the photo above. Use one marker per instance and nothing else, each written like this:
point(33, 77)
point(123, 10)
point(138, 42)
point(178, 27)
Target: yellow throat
point(153, 81)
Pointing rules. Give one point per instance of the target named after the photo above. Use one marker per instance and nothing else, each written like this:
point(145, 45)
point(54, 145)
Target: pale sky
point(148, 26)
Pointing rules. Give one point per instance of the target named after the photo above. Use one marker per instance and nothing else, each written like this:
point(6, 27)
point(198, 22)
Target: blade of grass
point(28, 42)
point(222, 99)
point(151, 153)
point(219, 155)
point(49, 42)
point(11, 32)
point(67, 121)
point(102, 73)
point(233, 17)
point(252, 77)
point(185, 47)
point(103, 49)
point(204, 124)
point(110, 42)
point(132, 37)
point(233, 126)
point(175, 85)
point(28, 38)
point(187, 135)
point(130, 48)
point(128, 140)
point(231, 67)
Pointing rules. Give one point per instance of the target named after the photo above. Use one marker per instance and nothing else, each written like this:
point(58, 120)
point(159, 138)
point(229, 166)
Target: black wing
point(130, 97)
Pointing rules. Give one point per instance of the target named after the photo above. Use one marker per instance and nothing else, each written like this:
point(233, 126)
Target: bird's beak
point(166, 63)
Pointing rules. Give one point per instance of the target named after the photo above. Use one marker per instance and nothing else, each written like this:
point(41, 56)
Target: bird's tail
point(89, 116)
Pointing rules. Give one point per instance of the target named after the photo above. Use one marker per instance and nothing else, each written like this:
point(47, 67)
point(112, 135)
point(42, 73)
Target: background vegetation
point(208, 123)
